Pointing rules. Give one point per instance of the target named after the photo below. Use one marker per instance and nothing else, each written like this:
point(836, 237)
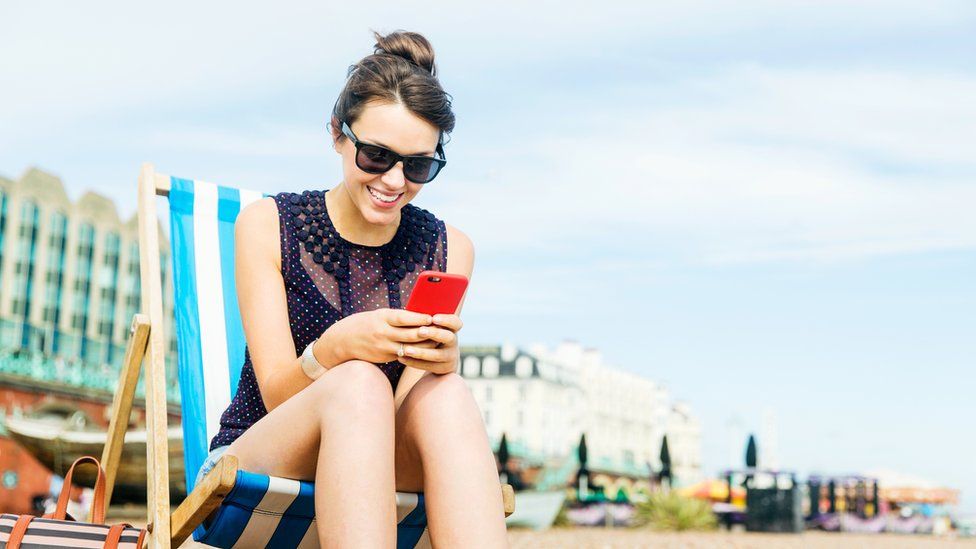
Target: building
point(536, 403)
point(684, 444)
point(69, 273)
point(544, 399)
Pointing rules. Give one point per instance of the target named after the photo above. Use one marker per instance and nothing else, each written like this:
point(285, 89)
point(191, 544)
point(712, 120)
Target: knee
point(442, 392)
point(355, 383)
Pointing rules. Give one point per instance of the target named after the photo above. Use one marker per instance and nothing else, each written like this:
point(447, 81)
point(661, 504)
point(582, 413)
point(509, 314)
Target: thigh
point(285, 442)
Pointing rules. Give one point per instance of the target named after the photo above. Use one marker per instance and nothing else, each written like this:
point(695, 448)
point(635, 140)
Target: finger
point(423, 333)
point(439, 335)
point(430, 355)
point(451, 322)
point(403, 317)
point(433, 367)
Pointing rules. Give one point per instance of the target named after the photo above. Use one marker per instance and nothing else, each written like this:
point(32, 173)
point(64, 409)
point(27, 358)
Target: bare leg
point(442, 447)
point(339, 432)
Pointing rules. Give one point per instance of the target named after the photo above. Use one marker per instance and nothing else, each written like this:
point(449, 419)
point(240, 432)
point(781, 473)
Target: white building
point(684, 444)
point(545, 399)
point(536, 403)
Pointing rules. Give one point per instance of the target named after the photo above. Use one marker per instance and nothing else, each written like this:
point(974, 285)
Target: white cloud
point(64, 60)
point(754, 164)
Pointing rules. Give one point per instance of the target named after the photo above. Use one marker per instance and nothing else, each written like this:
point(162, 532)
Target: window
point(471, 366)
point(488, 393)
point(489, 366)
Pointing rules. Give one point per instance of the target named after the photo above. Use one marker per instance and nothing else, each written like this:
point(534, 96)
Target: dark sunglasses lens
point(420, 170)
point(373, 159)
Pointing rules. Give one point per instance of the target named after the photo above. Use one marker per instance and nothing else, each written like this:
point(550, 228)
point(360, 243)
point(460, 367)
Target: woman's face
point(379, 197)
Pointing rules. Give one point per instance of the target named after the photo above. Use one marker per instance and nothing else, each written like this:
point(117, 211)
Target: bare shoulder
point(256, 229)
point(258, 214)
point(460, 251)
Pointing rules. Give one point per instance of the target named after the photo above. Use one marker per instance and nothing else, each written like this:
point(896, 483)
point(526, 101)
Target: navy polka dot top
point(327, 278)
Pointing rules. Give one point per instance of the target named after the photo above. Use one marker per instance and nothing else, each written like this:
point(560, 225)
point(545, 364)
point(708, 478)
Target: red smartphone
point(437, 293)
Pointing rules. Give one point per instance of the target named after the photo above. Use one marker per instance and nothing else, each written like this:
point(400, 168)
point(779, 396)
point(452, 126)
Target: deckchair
point(230, 507)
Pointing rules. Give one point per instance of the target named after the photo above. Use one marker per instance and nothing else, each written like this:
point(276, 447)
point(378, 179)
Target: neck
point(349, 221)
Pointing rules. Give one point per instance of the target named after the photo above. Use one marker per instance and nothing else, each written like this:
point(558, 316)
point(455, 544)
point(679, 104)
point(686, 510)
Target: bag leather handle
point(18, 532)
point(114, 534)
point(98, 505)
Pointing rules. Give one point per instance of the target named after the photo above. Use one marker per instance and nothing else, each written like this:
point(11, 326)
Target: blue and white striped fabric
point(260, 511)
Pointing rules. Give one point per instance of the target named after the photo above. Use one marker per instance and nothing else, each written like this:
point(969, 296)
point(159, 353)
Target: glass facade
point(25, 272)
point(83, 269)
point(108, 281)
point(3, 226)
point(69, 286)
point(57, 243)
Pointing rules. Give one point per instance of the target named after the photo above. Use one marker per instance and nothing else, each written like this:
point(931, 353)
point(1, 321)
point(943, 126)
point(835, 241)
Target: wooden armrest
point(508, 499)
point(203, 500)
point(125, 393)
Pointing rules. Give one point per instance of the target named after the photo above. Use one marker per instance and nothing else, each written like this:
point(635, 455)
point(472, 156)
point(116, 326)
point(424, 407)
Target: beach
point(627, 538)
point(599, 538)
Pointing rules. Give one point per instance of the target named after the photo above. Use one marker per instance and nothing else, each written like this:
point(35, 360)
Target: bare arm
point(264, 307)
point(460, 260)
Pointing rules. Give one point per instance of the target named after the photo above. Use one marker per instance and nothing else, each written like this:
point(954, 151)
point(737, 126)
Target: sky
point(765, 205)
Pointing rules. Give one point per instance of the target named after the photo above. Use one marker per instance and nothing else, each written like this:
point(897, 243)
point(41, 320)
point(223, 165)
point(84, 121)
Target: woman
point(340, 385)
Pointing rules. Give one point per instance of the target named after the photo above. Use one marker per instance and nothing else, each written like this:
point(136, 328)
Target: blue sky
point(767, 205)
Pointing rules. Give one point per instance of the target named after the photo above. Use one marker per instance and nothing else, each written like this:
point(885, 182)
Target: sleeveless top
point(327, 278)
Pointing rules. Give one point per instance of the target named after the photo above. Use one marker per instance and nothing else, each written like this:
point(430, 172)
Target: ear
point(335, 130)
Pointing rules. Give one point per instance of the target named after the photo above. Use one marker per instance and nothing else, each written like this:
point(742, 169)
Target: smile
point(388, 198)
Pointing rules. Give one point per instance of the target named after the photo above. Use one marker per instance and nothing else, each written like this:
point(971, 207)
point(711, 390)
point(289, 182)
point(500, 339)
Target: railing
point(70, 372)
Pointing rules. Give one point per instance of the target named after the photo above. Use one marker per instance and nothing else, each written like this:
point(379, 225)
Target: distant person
point(340, 385)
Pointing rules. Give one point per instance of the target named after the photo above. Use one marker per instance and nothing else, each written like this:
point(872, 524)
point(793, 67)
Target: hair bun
point(409, 45)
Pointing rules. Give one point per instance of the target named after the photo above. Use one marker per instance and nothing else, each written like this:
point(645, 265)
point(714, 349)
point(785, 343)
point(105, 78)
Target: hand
point(434, 348)
point(374, 336)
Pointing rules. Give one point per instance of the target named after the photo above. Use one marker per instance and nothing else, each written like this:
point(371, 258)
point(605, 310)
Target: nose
point(394, 177)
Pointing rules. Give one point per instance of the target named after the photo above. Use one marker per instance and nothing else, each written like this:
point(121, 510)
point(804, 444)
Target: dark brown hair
point(400, 70)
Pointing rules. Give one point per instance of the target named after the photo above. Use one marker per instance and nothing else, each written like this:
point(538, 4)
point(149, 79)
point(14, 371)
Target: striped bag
point(60, 530)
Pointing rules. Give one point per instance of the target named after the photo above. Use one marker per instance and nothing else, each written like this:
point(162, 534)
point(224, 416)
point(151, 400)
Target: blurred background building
point(543, 399)
point(69, 274)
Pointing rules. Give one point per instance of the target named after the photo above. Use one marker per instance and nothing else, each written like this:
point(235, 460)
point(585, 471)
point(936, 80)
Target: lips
point(383, 197)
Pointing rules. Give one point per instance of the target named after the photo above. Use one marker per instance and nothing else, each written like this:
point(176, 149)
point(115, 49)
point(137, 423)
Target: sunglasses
point(375, 159)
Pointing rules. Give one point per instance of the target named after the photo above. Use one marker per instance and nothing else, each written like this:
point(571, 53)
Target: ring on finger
point(400, 352)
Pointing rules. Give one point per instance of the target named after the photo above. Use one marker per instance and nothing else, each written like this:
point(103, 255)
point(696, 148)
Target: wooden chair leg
point(122, 401)
point(157, 443)
point(203, 500)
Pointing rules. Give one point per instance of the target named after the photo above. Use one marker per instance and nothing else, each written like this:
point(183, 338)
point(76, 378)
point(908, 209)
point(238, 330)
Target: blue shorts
point(208, 464)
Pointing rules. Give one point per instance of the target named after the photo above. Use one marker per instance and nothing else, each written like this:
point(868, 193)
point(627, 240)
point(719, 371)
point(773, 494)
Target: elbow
point(272, 391)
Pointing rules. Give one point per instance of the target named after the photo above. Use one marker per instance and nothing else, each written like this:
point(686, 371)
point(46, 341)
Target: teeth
point(382, 197)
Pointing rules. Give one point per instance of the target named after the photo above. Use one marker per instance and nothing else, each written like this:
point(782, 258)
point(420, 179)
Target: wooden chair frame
point(146, 338)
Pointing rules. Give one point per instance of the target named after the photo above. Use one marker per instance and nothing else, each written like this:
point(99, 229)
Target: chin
point(375, 214)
